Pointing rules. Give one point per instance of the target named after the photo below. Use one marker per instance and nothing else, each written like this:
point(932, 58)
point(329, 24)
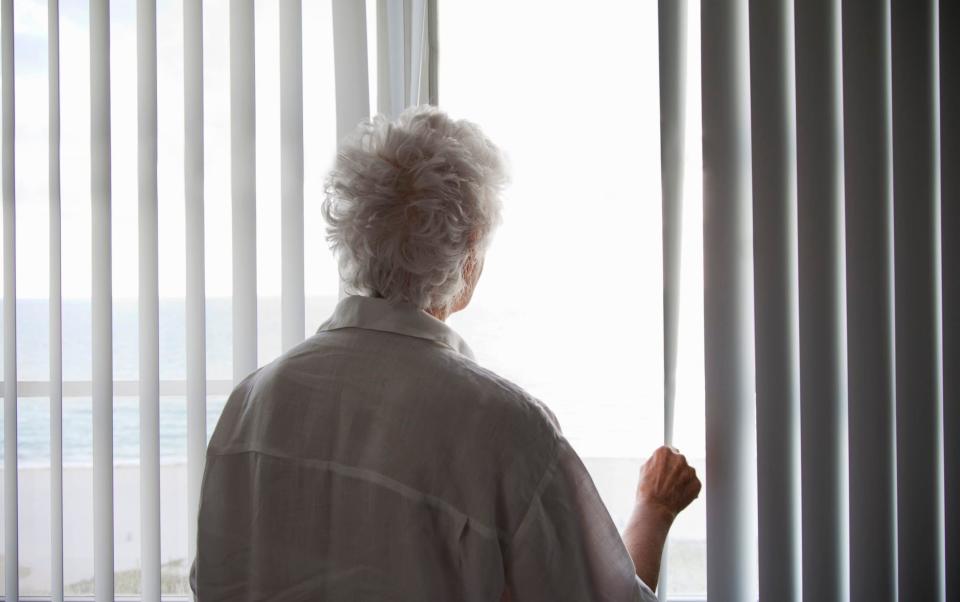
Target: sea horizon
point(602, 418)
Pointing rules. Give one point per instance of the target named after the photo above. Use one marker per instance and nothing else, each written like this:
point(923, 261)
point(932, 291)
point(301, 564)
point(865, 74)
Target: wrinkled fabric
point(378, 461)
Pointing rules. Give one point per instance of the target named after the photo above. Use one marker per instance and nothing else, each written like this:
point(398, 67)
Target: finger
point(661, 457)
point(697, 485)
point(678, 464)
point(692, 490)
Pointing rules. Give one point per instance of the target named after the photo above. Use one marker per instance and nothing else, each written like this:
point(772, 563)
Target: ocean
point(604, 382)
point(33, 420)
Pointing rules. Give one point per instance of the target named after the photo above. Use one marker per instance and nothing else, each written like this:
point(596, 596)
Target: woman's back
point(374, 461)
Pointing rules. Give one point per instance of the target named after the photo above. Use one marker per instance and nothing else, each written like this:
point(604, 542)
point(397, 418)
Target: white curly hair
point(408, 202)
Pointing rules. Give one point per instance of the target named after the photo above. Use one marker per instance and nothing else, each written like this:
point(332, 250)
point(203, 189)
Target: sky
point(572, 97)
point(31, 146)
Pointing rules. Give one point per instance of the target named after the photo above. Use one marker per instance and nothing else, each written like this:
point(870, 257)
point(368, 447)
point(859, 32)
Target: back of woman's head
point(408, 201)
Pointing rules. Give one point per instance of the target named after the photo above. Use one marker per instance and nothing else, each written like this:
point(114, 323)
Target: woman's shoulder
point(500, 394)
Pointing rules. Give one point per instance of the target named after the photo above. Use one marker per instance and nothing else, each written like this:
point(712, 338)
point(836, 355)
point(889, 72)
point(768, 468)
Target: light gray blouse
point(378, 461)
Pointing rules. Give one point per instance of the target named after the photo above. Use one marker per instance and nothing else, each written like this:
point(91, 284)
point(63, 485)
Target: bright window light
point(570, 302)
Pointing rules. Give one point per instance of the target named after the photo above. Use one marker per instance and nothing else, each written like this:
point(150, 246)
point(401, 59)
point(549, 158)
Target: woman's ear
point(473, 267)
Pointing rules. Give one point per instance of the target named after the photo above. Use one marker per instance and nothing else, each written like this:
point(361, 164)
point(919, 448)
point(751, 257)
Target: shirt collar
point(356, 311)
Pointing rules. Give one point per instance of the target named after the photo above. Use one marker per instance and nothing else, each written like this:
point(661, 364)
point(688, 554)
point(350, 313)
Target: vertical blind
point(195, 290)
point(869, 207)
point(101, 300)
point(9, 309)
point(830, 274)
point(830, 220)
point(950, 272)
point(408, 30)
point(672, 23)
point(55, 317)
point(728, 306)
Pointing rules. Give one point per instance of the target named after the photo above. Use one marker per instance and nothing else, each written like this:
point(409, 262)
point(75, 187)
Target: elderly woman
point(377, 460)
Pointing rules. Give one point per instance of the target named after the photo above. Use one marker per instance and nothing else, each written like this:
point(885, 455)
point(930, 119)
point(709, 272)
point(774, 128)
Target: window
point(30, 30)
point(570, 302)
point(569, 306)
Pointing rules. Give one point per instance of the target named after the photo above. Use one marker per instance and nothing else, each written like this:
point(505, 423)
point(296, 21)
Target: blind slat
point(350, 65)
point(351, 83)
point(391, 76)
point(149, 312)
point(672, 24)
point(196, 357)
point(728, 303)
point(821, 300)
point(433, 53)
point(291, 160)
point(102, 301)
point(869, 282)
point(672, 17)
point(773, 138)
point(917, 300)
point(11, 512)
point(418, 16)
point(950, 272)
point(243, 189)
point(379, 42)
point(56, 311)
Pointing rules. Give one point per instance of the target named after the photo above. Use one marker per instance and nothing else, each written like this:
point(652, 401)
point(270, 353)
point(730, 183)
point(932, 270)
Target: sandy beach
point(34, 521)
